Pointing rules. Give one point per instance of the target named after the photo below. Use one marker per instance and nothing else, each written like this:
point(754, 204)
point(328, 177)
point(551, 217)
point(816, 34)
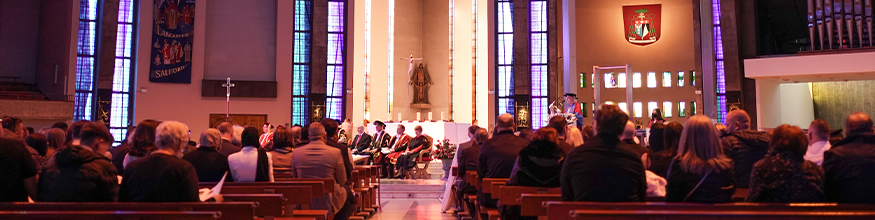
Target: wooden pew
point(488, 185)
point(109, 215)
point(535, 204)
point(269, 205)
point(226, 210)
point(561, 210)
point(293, 195)
point(375, 184)
point(317, 190)
point(718, 215)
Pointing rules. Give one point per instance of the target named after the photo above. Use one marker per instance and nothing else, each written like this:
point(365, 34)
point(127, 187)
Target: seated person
point(396, 147)
point(467, 157)
point(162, 176)
point(18, 173)
point(252, 163)
point(283, 145)
point(80, 173)
point(361, 144)
point(210, 165)
point(318, 160)
point(538, 165)
point(416, 145)
point(380, 143)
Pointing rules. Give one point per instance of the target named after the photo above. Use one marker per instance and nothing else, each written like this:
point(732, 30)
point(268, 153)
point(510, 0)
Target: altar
point(438, 130)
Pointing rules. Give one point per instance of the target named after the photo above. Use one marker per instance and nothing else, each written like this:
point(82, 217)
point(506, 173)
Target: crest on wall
point(642, 23)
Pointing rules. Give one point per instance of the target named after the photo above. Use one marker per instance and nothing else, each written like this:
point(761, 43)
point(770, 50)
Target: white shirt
point(244, 163)
point(815, 152)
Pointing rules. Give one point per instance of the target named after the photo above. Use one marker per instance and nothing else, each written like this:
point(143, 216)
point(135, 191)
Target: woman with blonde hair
point(700, 173)
point(574, 137)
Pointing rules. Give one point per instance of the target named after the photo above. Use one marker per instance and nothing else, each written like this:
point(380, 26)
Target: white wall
point(183, 102)
point(783, 103)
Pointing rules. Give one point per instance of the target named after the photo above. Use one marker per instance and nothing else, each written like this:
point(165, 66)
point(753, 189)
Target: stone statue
point(420, 80)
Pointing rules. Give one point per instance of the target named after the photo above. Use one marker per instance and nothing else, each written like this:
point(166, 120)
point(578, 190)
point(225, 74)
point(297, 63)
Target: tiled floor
point(411, 209)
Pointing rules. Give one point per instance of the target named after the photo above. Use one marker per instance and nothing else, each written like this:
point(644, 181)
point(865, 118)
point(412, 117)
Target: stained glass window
point(582, 80)
point(611, 80)
point(538, 24)
point(651, 106)
point(85, 59)
point(504, 56)
point(681, 79)
point(301, 62)
point(666, 109)
point(651, 80)
point(636, 108)
point(621, 80)
point(583, 109)
point(682, 109)
point(87, 45)
point(693, 78)
point(666, 79)
point(718, 63)
point(336, 52)
point(694, 108)
point(622, 106)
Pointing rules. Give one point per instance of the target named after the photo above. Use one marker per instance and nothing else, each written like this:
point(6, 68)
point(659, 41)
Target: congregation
point(696, 162)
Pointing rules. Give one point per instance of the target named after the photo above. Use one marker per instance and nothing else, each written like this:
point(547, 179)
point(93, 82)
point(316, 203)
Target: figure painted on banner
point(573, 107)
point(178, 47)
point(173, 52)
point(172, 13)
point(380, 144)
point(267, 137)
point(157, 59)
point(187, 51)
point(420, 81)
point(165, 51)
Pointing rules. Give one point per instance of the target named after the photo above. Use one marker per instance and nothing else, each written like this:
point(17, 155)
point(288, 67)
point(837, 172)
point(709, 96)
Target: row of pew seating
point(287, 198)
point(546, 203)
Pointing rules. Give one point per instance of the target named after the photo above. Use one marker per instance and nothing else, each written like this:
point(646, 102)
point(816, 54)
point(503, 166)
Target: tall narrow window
point(504, 58)
point(539, 62)
point(694, 108)
point(636, 80)
point(666, 109)
point(718, 64)
point(582, 80)
point(85, 59)
point(666, 79)
point(301, 63)
point(682, 109)
point(681, 79)
point(336, 54)
point(583, 109)
point(636, 108)
point(120, 111)
point(623, 106)
point(651, 106)
point(610, 80)
point(651, 80)
point(621, 80)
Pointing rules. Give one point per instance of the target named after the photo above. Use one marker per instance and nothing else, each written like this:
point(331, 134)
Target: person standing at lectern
point(572, 107)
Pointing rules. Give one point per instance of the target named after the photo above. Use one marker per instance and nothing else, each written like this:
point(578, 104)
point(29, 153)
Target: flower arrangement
point(445, 150)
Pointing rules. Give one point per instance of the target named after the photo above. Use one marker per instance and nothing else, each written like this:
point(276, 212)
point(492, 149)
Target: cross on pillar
point(228, 86)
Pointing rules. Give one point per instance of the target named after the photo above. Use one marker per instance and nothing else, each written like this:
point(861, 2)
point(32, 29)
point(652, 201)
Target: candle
point(429, 116)
point(399, 117)
point(418, 116)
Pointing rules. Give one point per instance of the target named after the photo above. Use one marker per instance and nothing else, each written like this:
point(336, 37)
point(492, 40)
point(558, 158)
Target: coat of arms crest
point(642, 23)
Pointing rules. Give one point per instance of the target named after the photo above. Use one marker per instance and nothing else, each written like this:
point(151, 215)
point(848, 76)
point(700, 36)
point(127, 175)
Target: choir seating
point(225, 210)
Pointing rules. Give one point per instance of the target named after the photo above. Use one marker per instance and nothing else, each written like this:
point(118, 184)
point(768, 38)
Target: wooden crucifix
point(228, 86)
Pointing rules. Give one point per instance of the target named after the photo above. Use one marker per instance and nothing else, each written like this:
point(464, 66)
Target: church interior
point(433, 68)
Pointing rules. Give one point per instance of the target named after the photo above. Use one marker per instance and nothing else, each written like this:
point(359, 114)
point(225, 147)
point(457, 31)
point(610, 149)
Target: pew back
point(109, 215)
point(512, 195)
point(717, 215)
point(268, 204)
point(561, 210)
point(226, 210)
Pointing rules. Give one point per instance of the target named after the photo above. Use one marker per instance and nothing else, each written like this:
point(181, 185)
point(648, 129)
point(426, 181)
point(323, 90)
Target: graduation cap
point(571, 94)
point(380, 123)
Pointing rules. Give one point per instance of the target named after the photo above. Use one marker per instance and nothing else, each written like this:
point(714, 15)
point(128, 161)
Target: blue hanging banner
point(172, 36)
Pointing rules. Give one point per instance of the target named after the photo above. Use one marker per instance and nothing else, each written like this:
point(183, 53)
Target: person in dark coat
point(18, 174)
point(497, 156)
point(538, 165)
point(700, 173)
point(162, 176)
point(210, 165)
point(671, 136)
point(603, 169)
point(744, 145)
point(784, 176)
point(850, 163)
point(467, 157)
point(331, 129)
point(228, 147)
point(81, 173)
point(361, 144)
point(655, 138)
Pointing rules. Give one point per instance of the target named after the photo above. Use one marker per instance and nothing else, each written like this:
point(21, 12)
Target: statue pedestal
point(420, 105)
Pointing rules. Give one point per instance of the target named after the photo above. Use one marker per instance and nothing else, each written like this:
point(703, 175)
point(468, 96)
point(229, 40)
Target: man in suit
point(497, 155)
point(361, 143)
point(227, 131)
point(318, 160)
point(396, 147)
point(381, 140)
point(330, 132)
point(466, 157)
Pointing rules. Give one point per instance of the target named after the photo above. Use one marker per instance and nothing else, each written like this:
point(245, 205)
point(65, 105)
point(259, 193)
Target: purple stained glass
point(84, 73)
point(721, 77)
point(126, 11)
point(122, 75)
point(718, 43)
point(539, 16)
point(123, 40)
point(539, 48)
point(539, 80)
point(335, 81)
point(86, 38)
point(539, 112)
point(505, 49)
point(505, 17)
point(335, 48)
point(335, 16)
